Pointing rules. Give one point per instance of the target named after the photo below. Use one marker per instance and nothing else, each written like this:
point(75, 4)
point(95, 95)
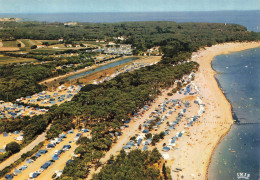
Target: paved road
point(29, 147)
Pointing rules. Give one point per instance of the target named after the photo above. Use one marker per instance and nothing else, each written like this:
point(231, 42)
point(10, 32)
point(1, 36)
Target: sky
point(66, 6)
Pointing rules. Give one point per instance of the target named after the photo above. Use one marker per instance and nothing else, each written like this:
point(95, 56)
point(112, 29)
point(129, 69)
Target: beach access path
point(29, 147)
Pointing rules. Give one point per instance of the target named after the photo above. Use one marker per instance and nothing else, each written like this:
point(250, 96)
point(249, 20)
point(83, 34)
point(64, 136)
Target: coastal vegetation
point(103, 108)
point(177, 41)
point(135, 165)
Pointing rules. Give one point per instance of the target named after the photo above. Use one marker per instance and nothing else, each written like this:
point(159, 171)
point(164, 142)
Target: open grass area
point(51, 50)
point(46, 50)
point(92, 43)
point(49, 41)
point(29, 42)
point(10, 43)
point(7, 60)
point(58, 45)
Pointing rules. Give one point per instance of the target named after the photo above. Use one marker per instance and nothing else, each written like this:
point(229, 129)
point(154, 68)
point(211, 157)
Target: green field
point(58, 45)
point(29, 42)
point(45, 50)
point(10, 43)
point(50, 41)
point(51, 50)
point(91, 43)
point(8, 60)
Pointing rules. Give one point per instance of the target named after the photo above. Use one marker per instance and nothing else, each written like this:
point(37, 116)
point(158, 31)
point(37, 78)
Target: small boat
point(233, 151)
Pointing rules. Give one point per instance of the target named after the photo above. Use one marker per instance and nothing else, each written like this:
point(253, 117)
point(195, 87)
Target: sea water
point(238, 152)
point(249, 19)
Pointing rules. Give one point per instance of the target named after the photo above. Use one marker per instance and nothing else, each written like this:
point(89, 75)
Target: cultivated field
point(9, 60)
point(10, 43)
point(92, 43)
point(29, 42)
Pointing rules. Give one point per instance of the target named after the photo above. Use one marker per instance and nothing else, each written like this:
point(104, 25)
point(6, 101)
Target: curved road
point(29, 147)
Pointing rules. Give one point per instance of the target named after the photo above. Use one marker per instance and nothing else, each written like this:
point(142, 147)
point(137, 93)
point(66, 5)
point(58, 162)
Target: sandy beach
point(194, 155)
point(194, 149)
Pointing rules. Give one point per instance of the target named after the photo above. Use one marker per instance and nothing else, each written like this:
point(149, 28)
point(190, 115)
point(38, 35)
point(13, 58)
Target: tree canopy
point(132, 166)
point(13, 147)
point(104, 107)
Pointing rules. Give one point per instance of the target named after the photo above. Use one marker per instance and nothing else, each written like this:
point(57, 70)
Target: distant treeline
point(175, 39)
point(142, 35)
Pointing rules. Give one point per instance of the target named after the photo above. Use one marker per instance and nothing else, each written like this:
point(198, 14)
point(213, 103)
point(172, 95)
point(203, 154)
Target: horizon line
point(121, 12)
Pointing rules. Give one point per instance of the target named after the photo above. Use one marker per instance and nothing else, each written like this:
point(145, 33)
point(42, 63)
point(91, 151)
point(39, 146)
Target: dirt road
point(46, 157)
point(16, 156)
point(22, 44)
point(129, 132)
point(61, 163)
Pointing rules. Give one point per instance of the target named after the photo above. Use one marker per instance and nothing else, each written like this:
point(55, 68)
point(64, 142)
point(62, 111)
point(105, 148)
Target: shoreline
point(205, 58)
point(205, 134)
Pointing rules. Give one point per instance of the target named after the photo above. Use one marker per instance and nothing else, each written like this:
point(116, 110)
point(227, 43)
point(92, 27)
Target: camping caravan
point(19, 138)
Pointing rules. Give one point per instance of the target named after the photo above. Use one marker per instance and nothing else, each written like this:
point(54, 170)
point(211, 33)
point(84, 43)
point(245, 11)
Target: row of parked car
point(54, 157)
point(57, 153)
point(25, 166)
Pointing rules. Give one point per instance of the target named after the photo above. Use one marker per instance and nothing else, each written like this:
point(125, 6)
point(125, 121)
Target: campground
point(130, 131)
point(4, 140)
point(56, 165)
